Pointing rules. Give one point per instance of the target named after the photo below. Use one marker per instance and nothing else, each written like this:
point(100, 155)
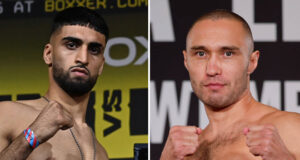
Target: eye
point(201, 53)
point(95, 50)
point(71, 45)
point(228, 54)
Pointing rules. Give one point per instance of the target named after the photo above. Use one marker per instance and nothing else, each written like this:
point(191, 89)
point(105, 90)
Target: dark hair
point(80, 16)
point(221, 14)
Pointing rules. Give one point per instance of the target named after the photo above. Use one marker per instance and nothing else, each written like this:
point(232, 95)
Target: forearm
point(19, 149)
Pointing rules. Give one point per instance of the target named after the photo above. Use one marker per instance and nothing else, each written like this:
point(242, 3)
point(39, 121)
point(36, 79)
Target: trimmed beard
point(73, 86)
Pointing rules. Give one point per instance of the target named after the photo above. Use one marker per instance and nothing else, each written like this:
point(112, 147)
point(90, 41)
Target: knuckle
point(248, 142)
point(193, 149)
point(177, 151)
point(267, 142)
point(173, 141)
point(172, 130)
point(272, 127)
point(59, 119)
point(177, 144)
point(56, 106)
point(51, 102)
point(175, 128)
point(266, 136)
point(251, 149)
point(263, 132)
point(173, 135)
point(247, 136)
point(266, 149)
point(269, 126)
point(268, 132)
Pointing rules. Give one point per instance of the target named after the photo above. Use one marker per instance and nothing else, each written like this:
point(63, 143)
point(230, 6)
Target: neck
point(231, 116)
point(76, 105)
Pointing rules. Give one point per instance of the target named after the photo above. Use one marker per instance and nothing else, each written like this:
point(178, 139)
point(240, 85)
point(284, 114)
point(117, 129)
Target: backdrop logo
point(132, 51)
point(262, 32)
point(38, 8)
point(177, 110)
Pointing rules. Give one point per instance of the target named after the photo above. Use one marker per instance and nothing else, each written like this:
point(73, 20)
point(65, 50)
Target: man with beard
point(53, 127)
point(219, 57)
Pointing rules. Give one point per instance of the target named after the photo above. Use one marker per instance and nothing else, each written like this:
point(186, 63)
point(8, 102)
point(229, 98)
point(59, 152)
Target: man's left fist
point(265, 141)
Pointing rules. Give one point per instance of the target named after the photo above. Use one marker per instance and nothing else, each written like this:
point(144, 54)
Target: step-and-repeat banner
point(118, 106)
point(276, 82)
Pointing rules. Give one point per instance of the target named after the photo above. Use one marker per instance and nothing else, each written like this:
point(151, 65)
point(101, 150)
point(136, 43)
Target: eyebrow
point(230, 48)
point(95, 44)
point(73, 39)
point(199, 48)
point(222, 48)
point(79, 41)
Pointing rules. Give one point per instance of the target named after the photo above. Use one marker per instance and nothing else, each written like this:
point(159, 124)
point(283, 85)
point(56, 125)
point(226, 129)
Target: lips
point(80, 71)
point(214, 86)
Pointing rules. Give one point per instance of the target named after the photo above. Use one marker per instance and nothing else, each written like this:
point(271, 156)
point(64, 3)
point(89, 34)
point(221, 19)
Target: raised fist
point(182, 141)
point(52, 118)
point(264, 141)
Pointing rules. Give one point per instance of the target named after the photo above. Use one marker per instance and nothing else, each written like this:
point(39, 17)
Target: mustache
point(80, 66)
point(213, 81)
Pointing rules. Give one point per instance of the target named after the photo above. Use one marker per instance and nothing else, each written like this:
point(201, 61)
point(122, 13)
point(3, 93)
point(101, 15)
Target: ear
point(185, 59)
point(101, 67)
point(47, 55)
point(253, 62)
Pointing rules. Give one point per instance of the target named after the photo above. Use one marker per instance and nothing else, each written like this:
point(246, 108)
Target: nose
point(82, 56)
point(213, 66)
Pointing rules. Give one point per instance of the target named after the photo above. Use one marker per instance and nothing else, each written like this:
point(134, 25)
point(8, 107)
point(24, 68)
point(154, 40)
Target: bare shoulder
point(288, 126)
point(15, 114)
point(9, 109)
point(287, 123)
point(15, 109)
point(12, 105)
point(11, 120)
point(283, 119)
point(101, 152)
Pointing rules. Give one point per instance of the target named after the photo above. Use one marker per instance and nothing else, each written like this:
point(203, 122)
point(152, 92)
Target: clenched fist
point(265, 141)
point(52, 118)
point(182, 141)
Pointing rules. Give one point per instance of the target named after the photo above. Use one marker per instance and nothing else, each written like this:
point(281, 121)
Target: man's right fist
point(182, 141)
point(52, 118)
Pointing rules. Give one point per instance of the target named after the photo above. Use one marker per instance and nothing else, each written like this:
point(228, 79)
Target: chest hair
point(208, 150)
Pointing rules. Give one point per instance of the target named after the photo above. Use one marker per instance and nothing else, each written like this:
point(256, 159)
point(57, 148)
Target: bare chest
point(54, 151)
point(64, 147)
point(61, 146)
point(233, 149)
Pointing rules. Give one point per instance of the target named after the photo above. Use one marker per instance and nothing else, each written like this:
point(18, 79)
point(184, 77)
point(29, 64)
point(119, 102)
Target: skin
point(51, 121)
point(219, 63)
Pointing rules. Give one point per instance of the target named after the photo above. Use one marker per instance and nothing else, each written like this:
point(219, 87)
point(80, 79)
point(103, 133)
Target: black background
point(278, 60)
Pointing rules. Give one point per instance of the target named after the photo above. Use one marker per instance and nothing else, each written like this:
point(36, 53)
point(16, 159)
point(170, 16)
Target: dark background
point(278, 60)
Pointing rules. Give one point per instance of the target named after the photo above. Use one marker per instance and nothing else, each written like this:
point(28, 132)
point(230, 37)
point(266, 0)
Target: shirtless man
point(74, 56)
point(219, 57)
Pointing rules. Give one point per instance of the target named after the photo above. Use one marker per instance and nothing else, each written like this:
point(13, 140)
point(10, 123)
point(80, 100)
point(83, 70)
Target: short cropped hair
point(80, 16)
point(223, 14)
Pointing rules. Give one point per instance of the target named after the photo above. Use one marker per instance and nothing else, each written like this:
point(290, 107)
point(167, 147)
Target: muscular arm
point(19, 147)
point(277, 137)
point(289, 129)
point(52, 118)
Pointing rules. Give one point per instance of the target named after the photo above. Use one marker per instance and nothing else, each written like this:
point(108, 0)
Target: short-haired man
point(53, 127)
point(219, 57)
